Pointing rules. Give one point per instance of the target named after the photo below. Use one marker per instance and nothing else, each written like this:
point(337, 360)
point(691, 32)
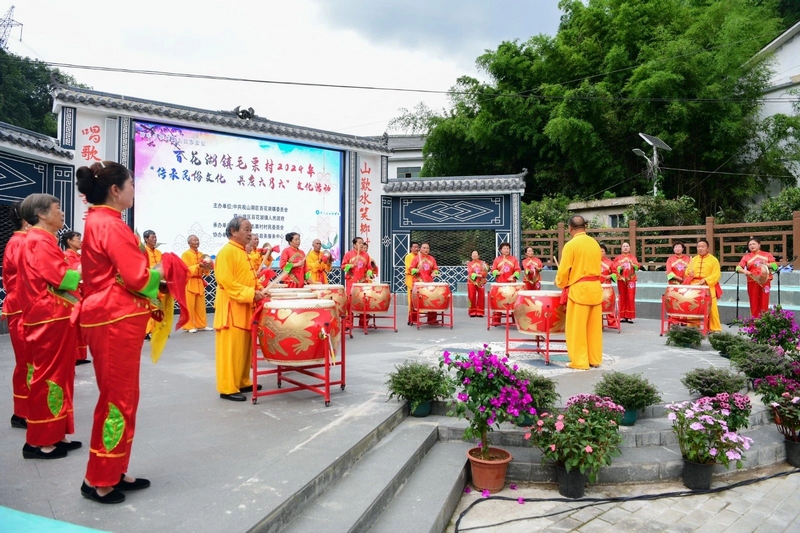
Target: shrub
point(771, 388)
point(418, 383)
point(775, 327)
point(712, 381)
point(541, 388)
point(723, 342)
point(684, 336)
point(762, 363)
point(742, 352)
point(631, 391)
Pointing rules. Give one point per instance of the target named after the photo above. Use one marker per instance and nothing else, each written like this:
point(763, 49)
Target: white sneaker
point(208, 329)
point(192, 331)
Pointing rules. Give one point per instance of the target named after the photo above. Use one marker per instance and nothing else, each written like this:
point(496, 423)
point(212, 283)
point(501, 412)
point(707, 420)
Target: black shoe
point(68, 446)
point(18, 422)
point(82, 362)
point(34, 452)
point(249, 388)
point(235, 397)
point(137, 484)
point(147, 337)
point(90, 493)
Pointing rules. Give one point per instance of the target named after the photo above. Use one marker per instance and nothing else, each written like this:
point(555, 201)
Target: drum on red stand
point(336, 293)
point(503, 295)
point(293, 332)
point(684, 302)
point(370, 298)
point(431, 296)
point(609, 299)
point(540, 312)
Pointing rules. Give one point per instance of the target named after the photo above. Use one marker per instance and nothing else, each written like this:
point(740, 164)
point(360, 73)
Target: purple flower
point(485, 493)
point(512, 486)
point(467, 489)
point(521, 501)
point(697, 426)
point(712, 452)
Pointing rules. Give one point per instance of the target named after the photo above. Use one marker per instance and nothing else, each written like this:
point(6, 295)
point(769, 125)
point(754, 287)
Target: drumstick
point(275, 281)
point(555, 260)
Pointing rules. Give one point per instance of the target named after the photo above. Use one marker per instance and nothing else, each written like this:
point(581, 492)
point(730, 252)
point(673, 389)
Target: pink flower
point(540, 423)
point(559, 426)
point(560, 417)
point(588, 449)
point(527, 436)
point(552, 447)
point(581, 420)
point(485, 493)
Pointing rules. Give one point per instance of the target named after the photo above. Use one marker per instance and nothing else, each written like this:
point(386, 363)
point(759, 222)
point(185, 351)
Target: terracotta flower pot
point(489, 475)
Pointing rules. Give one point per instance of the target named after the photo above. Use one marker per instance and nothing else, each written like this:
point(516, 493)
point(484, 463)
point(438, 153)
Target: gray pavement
point(218, 465)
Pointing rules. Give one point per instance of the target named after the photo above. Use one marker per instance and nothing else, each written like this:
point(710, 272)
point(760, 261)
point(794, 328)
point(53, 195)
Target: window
point(616, 221)
point(408, 172)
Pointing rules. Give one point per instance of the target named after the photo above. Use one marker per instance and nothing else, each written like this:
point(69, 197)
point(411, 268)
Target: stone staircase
point(408, 474)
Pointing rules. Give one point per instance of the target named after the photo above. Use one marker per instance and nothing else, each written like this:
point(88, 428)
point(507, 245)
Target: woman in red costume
point(532, 269)
point(12, 311)
point(293, 262)
point(607, 277)
point(477, 270)
point(677, 264)
point(45, 280)
point(118, 286)
point(758, 266)
point(626, 266)
point(71, 242)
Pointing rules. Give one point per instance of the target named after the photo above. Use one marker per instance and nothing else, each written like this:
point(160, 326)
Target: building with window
point(405, 160)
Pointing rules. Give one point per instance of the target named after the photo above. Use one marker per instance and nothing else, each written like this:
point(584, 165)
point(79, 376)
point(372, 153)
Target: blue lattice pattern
point(452, 275)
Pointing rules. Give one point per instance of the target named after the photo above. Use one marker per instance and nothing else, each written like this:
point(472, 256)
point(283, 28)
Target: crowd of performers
point(106, 291)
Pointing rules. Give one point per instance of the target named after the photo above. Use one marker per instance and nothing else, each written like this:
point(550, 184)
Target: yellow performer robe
point(256, 258)
point(195, 290)
point(153, 258)
point(584, 328)
point(409, 278)
point(317, 267)
point(233, 308)
point(706, 269)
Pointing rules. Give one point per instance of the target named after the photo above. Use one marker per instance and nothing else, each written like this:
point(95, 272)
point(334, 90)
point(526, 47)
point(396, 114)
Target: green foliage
point(712, 381)
point(541, 388)
point(775, 327)
point(418, 382)
point(585, 436)
point(546, 213)
point(723, 342)
point(650, 212)
point(25, 99)
point(631, 391)
point(771, 388)
point(762, 363)
point(786, 410)
point(776, 208)
point(569, 108)
point(684, 336)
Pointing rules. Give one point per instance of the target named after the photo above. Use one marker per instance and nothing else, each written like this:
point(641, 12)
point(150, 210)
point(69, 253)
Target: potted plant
point(580, 440)
point(419, 384)
point(684, 336)
point(786, 410)
point(723, 342)
point(761, 361)
point(711, 381)
point(543, 393)
point(489, 393)
point(705, 440)
point(631, 391)
point(775, 327)
point(770, 388)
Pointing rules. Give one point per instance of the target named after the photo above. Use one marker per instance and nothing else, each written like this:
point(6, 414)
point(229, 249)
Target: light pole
point(652, 165)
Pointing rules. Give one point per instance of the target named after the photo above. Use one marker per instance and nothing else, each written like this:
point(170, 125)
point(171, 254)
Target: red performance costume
point(608, 276)
point(756, 263)
point(626, 266)
point(118, 285)
point(676, 268)
point(74, 261)
point(507, 268)
point(44, 279)
point(476, 281)
point(296, 275)
point(12, 311)
point(533, 273)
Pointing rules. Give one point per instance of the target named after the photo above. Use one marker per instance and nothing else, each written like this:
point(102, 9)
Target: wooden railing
point(652, 246)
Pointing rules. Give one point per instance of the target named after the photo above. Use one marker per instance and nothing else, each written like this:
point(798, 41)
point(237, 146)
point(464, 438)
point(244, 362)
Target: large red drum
point(540, 312)
point(292, 332)
point(336, 293)
point(285, 295)
point(503, 295)
point(609, 299)
point(684, 302)
point(370, 298)
point(431, 296)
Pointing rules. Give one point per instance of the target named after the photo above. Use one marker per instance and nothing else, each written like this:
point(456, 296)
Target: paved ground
point(221, 466)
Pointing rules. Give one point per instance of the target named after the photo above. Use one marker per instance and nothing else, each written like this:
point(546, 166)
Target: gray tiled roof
point(139, 106)
point(508, 183)
point(31, 139)
point(406, 142)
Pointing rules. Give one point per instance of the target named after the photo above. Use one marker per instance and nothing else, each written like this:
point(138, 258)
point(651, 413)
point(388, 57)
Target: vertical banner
point(368, 201)
point(90, 143)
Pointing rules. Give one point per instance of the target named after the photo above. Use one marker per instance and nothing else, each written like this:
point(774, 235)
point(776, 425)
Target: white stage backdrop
point(193, 182)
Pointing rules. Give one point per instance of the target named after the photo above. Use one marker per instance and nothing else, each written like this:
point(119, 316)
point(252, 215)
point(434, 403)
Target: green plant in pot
point(684, 336)
point(711, 381)
point(543, 393)
point(631, 391)
point(786, 411)
point(419, 384)
point(489, 393)
point(724, 342)
point(761, 361)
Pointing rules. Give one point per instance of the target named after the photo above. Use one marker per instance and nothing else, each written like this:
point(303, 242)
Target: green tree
point(25, 99)
point(546, 213)
point(655, 212)
point(778, 208)
point(569, 108)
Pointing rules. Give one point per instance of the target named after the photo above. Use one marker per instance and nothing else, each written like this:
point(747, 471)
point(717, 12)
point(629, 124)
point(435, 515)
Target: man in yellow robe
point(153, 258)
point(199, 266)
point(317, 267)
point(237, 293)
point(412, 318)
point(579, 275)
point(704, 269)
point(255, 253)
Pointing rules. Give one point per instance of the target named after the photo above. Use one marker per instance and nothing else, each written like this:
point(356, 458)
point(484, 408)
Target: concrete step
point(357, 498)
point(428, 499)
